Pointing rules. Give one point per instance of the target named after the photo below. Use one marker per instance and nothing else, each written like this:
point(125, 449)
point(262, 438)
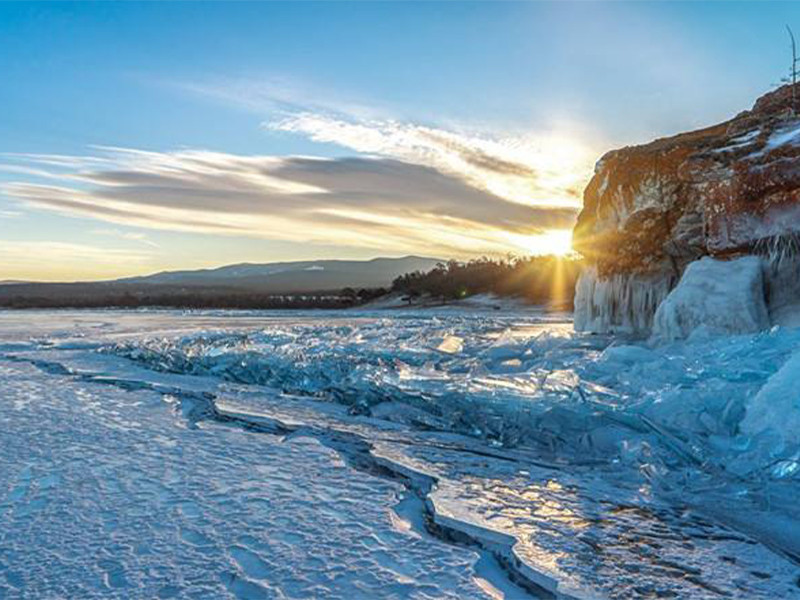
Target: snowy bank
point(479, 302)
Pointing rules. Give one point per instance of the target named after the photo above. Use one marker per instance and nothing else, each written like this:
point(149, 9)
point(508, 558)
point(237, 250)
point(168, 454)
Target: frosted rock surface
point(720, 189)
point(721, 296)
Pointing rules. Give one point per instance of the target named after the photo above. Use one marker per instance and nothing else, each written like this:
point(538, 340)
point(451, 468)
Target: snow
point(714, 297)
point(788, 134)
point(783, 136)
point(470, 303)
point(417, 454)
point(740, 141)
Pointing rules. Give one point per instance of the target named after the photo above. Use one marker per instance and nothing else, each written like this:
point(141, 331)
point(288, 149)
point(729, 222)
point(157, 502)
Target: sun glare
point(554, 241)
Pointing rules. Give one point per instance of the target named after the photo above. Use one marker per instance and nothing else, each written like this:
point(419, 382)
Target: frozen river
point(391, 455)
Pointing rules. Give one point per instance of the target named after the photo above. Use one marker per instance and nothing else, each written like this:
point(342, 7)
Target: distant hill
point(303, 284)
point(294, 277)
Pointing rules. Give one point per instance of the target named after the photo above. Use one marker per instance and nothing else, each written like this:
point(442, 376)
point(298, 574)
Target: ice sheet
point(666, 447)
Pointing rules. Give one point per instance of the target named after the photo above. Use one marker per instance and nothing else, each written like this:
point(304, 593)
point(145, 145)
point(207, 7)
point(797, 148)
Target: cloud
point(545, 170)
point(540, 168)
point(386, 204)
point(133, 236)
point(278, 94)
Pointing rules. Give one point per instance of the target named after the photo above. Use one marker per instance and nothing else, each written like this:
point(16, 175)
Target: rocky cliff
point(725, 191)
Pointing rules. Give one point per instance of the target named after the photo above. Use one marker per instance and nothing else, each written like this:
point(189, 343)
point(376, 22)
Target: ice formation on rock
point(782, 278)
point(621, 303)
point(722, 296)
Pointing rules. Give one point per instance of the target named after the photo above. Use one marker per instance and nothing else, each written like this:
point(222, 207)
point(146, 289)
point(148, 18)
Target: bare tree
point(793, 72)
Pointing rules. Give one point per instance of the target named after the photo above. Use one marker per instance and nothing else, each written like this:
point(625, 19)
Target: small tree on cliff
point(793, 72)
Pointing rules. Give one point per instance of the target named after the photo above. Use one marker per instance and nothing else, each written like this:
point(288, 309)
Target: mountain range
point(239, 285)
point(294, 277)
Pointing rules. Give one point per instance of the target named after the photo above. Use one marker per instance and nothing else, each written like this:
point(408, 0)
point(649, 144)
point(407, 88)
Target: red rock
point(719, 191)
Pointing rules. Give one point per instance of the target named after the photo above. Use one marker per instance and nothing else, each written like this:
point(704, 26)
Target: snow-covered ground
point(476, 302)
point(416, 454)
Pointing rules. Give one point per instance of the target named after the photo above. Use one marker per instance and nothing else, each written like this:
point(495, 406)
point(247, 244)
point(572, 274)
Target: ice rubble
point(669, 408)
point(774, 414)
point(723, 297)
point(705, 421)
point(670, 415)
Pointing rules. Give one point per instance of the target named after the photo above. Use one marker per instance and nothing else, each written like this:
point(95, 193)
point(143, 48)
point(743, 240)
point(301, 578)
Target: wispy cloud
point(27, 250)
point(279, 95)
point(385, 204)
point(544, 170)
point(409, 188)
point(133, 236)
point(540, 168)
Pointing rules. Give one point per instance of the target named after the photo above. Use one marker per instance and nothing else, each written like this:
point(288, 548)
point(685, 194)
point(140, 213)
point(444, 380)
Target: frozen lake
point(391, 454)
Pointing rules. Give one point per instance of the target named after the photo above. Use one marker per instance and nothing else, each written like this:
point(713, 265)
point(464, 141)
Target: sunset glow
point(555, 241)
point(256, 141)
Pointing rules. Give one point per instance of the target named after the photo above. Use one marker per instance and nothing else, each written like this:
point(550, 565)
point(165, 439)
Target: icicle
point(623, 303)
point(779, 249)
point(781, 254)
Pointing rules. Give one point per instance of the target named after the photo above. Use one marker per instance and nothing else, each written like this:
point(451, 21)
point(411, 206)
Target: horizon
point(143, 138)
point(227, 265)
point(566, 257)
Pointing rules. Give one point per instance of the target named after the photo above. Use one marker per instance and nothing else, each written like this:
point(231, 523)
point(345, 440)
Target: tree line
point(537, 279)
point(53, 296)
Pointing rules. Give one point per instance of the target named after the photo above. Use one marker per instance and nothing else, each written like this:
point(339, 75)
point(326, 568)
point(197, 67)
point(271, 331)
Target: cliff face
point(723, 191)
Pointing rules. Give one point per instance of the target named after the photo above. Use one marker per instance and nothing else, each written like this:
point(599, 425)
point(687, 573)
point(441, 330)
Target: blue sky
point(182, 135)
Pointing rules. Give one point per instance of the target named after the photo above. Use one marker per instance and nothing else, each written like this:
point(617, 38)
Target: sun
point(553, 241)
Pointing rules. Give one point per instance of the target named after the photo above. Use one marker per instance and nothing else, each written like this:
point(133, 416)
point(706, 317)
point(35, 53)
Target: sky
point(140, 137)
